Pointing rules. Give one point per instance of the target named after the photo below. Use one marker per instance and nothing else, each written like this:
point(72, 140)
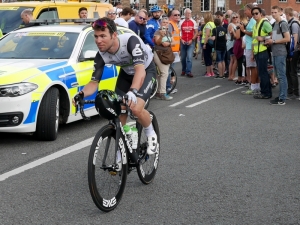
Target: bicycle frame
point(120, 135)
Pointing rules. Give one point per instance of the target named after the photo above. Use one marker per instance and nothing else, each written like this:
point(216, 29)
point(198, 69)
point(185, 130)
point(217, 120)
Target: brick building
point(200, 6)
point(197, 6)
point(235, 5)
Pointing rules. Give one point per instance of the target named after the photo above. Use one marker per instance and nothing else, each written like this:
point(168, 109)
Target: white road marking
point(211, 98)
point(46, 159)
point(194, 96)
point(51, 157)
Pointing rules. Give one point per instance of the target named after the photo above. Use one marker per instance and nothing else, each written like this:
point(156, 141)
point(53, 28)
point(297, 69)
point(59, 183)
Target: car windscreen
point(10, 18)
point(38, 45)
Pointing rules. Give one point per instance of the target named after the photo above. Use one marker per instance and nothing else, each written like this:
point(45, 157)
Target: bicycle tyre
point(106, 185)
point(175, 82)
point(149, 163)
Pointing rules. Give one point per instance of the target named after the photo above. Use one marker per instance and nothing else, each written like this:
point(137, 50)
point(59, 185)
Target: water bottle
point(128, 133)
point(134, 137)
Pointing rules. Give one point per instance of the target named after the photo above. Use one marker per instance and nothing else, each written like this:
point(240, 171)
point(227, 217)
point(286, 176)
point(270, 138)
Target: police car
point(41, 69)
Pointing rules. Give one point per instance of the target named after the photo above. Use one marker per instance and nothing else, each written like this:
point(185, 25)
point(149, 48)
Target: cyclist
point(136, 76)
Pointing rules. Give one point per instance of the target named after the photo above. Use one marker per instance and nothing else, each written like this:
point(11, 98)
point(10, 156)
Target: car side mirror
point(88, 55)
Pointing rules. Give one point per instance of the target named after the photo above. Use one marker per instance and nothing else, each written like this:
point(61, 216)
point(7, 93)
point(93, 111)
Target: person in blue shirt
point(152, 25)
point(137, 25)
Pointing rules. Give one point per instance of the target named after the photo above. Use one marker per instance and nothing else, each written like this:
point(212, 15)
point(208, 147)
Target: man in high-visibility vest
point(261, 32)
point(174, 18)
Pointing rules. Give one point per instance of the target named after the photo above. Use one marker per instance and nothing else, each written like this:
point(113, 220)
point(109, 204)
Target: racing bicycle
point(107, 177)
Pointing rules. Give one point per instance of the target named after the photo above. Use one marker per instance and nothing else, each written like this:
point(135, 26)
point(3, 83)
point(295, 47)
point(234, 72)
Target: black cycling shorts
point(124, 83)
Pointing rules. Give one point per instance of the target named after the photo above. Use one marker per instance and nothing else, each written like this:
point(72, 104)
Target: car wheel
point(48, 116)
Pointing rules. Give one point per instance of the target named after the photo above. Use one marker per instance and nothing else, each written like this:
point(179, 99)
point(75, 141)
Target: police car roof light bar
point(53, 21)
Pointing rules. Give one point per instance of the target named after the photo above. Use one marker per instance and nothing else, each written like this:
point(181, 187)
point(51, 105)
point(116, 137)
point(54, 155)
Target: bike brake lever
point(84, 117)
point(76, 106)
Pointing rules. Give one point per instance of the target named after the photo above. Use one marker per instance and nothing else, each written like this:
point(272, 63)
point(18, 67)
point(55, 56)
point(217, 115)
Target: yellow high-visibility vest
point(212, 25)
point(257, 46)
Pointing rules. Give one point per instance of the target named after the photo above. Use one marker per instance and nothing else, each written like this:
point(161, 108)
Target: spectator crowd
point(263, 50)
point(247, 47)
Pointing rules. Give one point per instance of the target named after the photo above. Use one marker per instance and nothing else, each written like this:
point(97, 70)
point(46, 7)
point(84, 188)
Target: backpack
point(290, 46)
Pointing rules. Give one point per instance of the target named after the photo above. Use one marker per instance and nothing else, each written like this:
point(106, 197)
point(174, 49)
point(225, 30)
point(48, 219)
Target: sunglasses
point(176, 15)
point(234, 17)
point(102, 24)
point(256, 13)
point(142, 18)
point(111, 13)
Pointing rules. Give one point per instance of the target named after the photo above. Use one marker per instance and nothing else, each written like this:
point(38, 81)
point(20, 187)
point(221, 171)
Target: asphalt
point(230, 159)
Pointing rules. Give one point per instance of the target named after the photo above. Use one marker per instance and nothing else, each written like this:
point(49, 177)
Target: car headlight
point(15, 90)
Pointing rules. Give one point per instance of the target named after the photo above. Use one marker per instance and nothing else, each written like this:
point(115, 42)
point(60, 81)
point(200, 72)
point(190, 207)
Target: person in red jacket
point(189, 32)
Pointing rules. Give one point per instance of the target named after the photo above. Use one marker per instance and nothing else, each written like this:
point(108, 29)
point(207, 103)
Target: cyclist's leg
point(143, 94)
point(122, 87)
point(143, 115)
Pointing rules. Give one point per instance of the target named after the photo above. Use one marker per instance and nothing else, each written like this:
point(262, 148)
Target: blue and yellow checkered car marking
point(51, 73)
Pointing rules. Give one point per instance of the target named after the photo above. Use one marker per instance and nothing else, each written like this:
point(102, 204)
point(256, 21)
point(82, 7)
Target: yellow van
point(10, 13)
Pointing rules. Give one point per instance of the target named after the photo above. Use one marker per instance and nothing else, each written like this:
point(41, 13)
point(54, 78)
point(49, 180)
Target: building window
point(282, 0)
point(238, 2)
point(221, 5)
point(113, 2)
point(259, 1)
point(205, 5)
point(188, 4)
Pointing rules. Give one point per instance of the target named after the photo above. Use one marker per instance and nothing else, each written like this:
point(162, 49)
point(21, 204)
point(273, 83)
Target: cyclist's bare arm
point(92, 86)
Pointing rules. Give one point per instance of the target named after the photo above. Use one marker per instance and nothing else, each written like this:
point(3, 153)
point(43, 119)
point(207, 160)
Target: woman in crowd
point(207, 48)
point(238, 49)
point(230, 42)
point(162, 37)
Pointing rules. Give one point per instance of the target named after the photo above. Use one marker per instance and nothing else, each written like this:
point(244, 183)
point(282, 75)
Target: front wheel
point(148, 163)
point(106, 180)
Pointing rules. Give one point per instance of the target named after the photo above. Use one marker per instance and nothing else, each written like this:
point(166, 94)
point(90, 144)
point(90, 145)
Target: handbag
point(165, 54)
point(210, 43)
point(238, 51)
